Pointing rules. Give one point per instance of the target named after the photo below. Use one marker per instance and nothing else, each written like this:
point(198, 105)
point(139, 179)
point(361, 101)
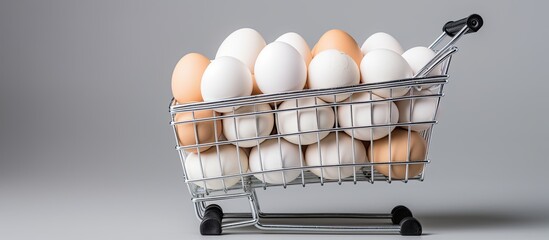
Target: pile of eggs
point(246, 65)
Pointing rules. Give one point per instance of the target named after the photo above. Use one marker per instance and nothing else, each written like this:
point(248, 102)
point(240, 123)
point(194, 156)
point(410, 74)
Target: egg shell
point(422, 109)
point(255, 88)
point(381, 65)
point(418, 57)
point(243, 44)
point(246, 125)
point(208, 162)
point(381, 40)
point(287, 121)
point(367, 114)
point(331, 154)
point(379, 153)
point(206, 130)
point(187, 77)
point(273, 157)
point(296, 41)
point(332, 68)
point(224, 78)
point(340, 40)
point(280, 68)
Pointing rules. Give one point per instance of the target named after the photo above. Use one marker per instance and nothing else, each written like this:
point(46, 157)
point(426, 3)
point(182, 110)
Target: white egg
point(383, 65)
point(290, 121)
point(248, 126)
point(418, 57)
point(280, 68)
point(332, 68)
point(208, 164)
point(296, 41)
point(381, 40)
point(367, 114)
point(273, 157)
point(336, 148)
point(226, 77)
point(243, 44)
point(421, 109)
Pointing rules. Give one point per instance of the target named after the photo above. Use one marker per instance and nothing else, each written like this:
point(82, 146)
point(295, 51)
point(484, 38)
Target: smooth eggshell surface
point(209, 163)
point(379, 153)
point(296, 41)
point(332, 68)
point(331, 155)
point(367, 114)
point(243, 44)
point(280, 68)
point(418, 57)
point(294, 121)
point(246, 125)
point(187, 77)
point(255, 88)
point(226, 77)
point(340, 40)
point(381, 65)
point(421, 109)
point(206, 130)
point(381, 40)
point(275, 157)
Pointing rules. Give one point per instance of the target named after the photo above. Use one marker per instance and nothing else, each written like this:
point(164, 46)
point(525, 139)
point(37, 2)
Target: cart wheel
point(211, 224)
point(215, 207)
point(400, 212)
point(410, 227)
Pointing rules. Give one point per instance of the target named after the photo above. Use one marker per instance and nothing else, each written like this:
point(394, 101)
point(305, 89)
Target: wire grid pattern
point(361, 171)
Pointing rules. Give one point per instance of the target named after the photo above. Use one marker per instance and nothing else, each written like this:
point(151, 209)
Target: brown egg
point(206, 130)
point(340, 40)
point(399, 153)
point(187, 76)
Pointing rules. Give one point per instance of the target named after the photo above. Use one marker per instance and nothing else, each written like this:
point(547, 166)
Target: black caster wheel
point(410, 227)
point(214, 207)
point(211, 224)
point(400, 212)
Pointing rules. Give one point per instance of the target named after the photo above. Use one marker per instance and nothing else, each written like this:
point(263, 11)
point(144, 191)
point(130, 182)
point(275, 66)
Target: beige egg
point(187, 77)
point(379, 153)
point(340, 40)
point(206, 130)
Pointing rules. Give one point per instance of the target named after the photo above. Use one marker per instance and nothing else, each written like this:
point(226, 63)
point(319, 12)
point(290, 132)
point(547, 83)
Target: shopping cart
point(212, 217)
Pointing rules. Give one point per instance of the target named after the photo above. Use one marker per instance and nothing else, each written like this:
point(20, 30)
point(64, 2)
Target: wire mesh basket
point(311, 137)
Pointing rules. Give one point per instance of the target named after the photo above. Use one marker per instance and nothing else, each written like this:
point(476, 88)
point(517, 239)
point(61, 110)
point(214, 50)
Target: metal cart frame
point(214, 220)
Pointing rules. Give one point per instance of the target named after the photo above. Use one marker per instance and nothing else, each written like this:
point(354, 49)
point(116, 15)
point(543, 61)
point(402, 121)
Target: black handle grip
point(474, 22)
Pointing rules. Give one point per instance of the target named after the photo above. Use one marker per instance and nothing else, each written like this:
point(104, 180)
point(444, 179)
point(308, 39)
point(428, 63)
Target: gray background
point(86, 151)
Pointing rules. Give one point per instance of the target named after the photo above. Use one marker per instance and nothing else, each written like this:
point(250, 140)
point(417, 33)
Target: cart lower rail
point(214, 220)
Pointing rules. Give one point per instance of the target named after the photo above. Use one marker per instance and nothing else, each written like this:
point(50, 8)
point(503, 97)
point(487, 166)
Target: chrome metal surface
point(362, 172)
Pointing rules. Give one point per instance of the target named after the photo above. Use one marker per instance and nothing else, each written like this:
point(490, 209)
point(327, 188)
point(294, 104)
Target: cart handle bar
point(474, 22)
